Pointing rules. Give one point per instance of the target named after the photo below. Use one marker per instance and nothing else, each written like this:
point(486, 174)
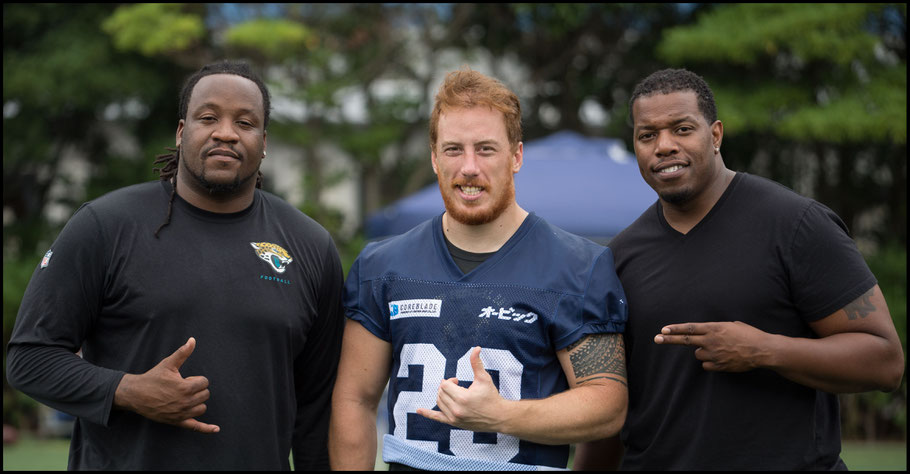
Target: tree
point(814, 96)
point(323, 57)
point(575, 57)
point(64, 83)
point(60, 73)
point(342, 53)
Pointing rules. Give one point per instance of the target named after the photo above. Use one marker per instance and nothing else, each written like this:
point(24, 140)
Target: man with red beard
point(498, 334)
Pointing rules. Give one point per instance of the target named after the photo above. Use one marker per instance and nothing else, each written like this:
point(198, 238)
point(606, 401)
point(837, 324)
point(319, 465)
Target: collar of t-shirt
point(465, 260)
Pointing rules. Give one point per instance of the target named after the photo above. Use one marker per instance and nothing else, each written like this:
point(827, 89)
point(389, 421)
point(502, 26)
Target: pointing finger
point(687, 328)
point(680, 340)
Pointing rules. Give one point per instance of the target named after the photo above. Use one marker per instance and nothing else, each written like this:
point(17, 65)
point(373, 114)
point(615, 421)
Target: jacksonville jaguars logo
point(277, 257)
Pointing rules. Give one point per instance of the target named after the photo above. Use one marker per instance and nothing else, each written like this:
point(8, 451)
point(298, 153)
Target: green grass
point(31, 454)
point(884, 456)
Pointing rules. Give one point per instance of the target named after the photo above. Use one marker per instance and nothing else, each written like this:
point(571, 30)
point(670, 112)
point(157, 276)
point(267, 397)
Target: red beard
point(476, 215)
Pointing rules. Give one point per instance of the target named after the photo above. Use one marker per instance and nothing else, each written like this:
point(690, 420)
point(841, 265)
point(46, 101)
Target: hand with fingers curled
point(163, 395)
point(730, 346)
point(474, 408)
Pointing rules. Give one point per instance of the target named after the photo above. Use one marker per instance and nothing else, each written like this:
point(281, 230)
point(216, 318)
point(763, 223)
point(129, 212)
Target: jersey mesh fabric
point(504, 321)
point(535, 296)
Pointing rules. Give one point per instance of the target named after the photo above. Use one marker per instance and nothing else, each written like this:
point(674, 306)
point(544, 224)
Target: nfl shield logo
point(46, 259)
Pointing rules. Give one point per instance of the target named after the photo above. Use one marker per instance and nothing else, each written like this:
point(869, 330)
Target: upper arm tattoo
point(861, 307)
point(598, 356)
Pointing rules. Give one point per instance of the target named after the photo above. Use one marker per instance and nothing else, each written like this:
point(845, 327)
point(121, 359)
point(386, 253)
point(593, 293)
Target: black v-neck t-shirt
point(465, 260)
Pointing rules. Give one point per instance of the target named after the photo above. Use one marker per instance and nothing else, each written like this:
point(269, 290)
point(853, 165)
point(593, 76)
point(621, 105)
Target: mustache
point(230, 148)
point(470, 182)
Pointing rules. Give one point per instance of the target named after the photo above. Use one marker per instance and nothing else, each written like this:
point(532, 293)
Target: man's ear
point(518, 158)
point(717, 133)
point(179, 137)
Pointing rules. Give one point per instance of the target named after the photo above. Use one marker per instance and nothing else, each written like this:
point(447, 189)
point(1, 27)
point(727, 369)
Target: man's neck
point(212, 203)
point(484, 238)
point(683, 217)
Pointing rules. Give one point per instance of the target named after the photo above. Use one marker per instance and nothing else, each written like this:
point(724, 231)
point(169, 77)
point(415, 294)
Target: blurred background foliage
point(811, 95)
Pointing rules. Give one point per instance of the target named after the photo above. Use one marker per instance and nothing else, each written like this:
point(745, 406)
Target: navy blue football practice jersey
point(543, 290)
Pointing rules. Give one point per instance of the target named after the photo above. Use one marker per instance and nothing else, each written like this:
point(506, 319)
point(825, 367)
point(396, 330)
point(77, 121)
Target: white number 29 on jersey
point(461, 442)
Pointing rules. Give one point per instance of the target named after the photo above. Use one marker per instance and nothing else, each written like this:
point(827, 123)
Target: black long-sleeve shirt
point(258, 289)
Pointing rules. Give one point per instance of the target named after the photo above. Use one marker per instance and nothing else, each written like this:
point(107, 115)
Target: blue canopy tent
point(587, 186)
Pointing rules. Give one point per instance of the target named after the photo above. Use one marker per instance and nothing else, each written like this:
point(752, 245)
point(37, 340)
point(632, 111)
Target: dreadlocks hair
point(667, 81)
point(168, 161)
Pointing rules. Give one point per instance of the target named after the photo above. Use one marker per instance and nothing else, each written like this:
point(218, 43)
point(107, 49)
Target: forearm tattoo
point(860, 307)
point(598, 356)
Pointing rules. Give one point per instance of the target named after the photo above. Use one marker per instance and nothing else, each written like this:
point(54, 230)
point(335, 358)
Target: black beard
point(679, 197)
point(222, 189)
point(218, 189)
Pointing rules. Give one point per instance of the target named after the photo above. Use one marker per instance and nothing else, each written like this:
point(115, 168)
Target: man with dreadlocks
point(207, 311)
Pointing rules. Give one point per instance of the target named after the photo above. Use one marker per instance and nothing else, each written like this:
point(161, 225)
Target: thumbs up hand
point(163, 395)
point(476, 408)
